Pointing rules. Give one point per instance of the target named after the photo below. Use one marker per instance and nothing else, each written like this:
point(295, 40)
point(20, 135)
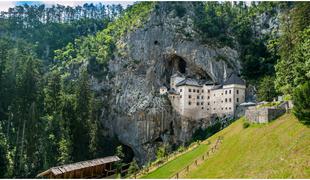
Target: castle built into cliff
point(197, 100)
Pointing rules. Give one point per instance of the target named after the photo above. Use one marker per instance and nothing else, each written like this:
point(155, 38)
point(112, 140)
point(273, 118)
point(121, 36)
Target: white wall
point(221, 101)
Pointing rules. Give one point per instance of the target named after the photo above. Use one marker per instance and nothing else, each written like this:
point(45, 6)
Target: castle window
point(201, 97)
point(189, 90)
point(226, 92)
point(189, 96)
point(226, 108)
point(194, 90)
point(229, 107)
point(229, 99)
point(180, 96)
point(201, 107)
point(237, 99)
point(208, 97)
point(214, 102)
point(225, 99)
point(197, 103)
point(201, 103)
point(197, 97)
point(208, 90)
point(189, 103)
point(197, 91)
point(208, 109)
point(173, 97)
point(222, 94)
point(222, 108)
point(180, 90)
point(229, 91)
point(208, 103)
point(237, 91)
point(202, 91)
point(213, 108)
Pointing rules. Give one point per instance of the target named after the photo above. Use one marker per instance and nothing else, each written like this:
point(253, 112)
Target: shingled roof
point(234, 79)
point(189, 82)
point(79, 165)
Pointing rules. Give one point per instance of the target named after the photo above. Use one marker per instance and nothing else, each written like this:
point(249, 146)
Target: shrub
point(133, 168)
point(181, 148)
point(301, 99)
point(246, 125)
point(161, 152)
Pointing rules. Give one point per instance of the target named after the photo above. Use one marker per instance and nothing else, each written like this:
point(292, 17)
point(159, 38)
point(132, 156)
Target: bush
point(133, 168)
point(161, 152)
point(246, 125)
point(301, 99)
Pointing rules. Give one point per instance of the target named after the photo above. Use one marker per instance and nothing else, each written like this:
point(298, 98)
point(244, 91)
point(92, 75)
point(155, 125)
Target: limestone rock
point(144, 61)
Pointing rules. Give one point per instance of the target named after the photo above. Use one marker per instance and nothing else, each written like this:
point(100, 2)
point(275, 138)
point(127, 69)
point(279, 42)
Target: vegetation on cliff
point(99, 49)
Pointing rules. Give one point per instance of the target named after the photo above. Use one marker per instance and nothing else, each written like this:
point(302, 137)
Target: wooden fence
point(158, 163)
point(198, 160)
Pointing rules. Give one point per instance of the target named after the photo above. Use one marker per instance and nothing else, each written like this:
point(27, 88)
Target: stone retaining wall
point(263, 115)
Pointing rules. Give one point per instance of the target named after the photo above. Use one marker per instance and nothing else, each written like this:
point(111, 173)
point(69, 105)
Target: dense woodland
point(47, 120)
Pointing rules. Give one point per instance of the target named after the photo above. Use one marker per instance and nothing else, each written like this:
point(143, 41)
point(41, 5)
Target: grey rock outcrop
point(144, 60)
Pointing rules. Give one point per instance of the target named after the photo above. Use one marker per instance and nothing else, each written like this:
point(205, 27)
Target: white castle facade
point(205, 100)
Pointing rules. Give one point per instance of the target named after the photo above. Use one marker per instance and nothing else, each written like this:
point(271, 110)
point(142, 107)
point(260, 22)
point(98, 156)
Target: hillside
point(280, 149)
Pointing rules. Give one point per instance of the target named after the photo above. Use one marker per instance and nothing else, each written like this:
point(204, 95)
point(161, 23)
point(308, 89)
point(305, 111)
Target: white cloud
point(5, 5)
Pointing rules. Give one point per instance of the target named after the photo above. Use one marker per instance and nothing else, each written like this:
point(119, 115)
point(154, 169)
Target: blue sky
point(5, 4)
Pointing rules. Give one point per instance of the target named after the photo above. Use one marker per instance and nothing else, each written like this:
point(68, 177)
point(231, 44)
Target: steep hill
point(280, 149)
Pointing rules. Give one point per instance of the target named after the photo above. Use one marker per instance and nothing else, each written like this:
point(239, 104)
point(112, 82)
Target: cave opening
point(174, 64)
point(182, 66)
point(177, 64)
point(128, 154)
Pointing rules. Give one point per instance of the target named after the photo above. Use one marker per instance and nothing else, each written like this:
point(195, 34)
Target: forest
point(49, 115)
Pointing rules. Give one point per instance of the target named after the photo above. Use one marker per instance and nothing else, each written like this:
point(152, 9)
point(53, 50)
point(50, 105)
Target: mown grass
point(280, 149)
point(177, 164)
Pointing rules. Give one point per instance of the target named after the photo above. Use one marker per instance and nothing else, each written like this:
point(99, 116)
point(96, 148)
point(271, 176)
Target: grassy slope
point(280, 149)
point(176, 165)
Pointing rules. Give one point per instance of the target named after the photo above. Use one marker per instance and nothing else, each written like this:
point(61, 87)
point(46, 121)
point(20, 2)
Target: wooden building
point(96, 168)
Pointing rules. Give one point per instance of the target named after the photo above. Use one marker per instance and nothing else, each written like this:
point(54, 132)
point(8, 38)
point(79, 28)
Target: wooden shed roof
point(79, 165)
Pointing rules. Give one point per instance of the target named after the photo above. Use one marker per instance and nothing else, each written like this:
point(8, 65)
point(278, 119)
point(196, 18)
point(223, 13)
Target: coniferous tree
point(81, 127)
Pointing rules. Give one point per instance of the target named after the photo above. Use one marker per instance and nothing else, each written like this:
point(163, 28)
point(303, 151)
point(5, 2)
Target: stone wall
point(263, 115)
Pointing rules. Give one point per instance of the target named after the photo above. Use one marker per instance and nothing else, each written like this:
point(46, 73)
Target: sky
point(5, 4)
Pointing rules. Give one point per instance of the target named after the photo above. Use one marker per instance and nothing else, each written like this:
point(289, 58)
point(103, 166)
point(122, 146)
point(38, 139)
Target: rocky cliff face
point(144, 60)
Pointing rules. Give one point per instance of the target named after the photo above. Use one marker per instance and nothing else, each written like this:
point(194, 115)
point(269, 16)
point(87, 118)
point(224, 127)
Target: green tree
point(293, 68)
point(266, 89)
point(301, 101)
point(133, 168)
point(4, 162)
point(81, 126)
point(119, 153)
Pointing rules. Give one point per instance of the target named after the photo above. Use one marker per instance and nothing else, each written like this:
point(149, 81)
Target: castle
point(197, 100)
